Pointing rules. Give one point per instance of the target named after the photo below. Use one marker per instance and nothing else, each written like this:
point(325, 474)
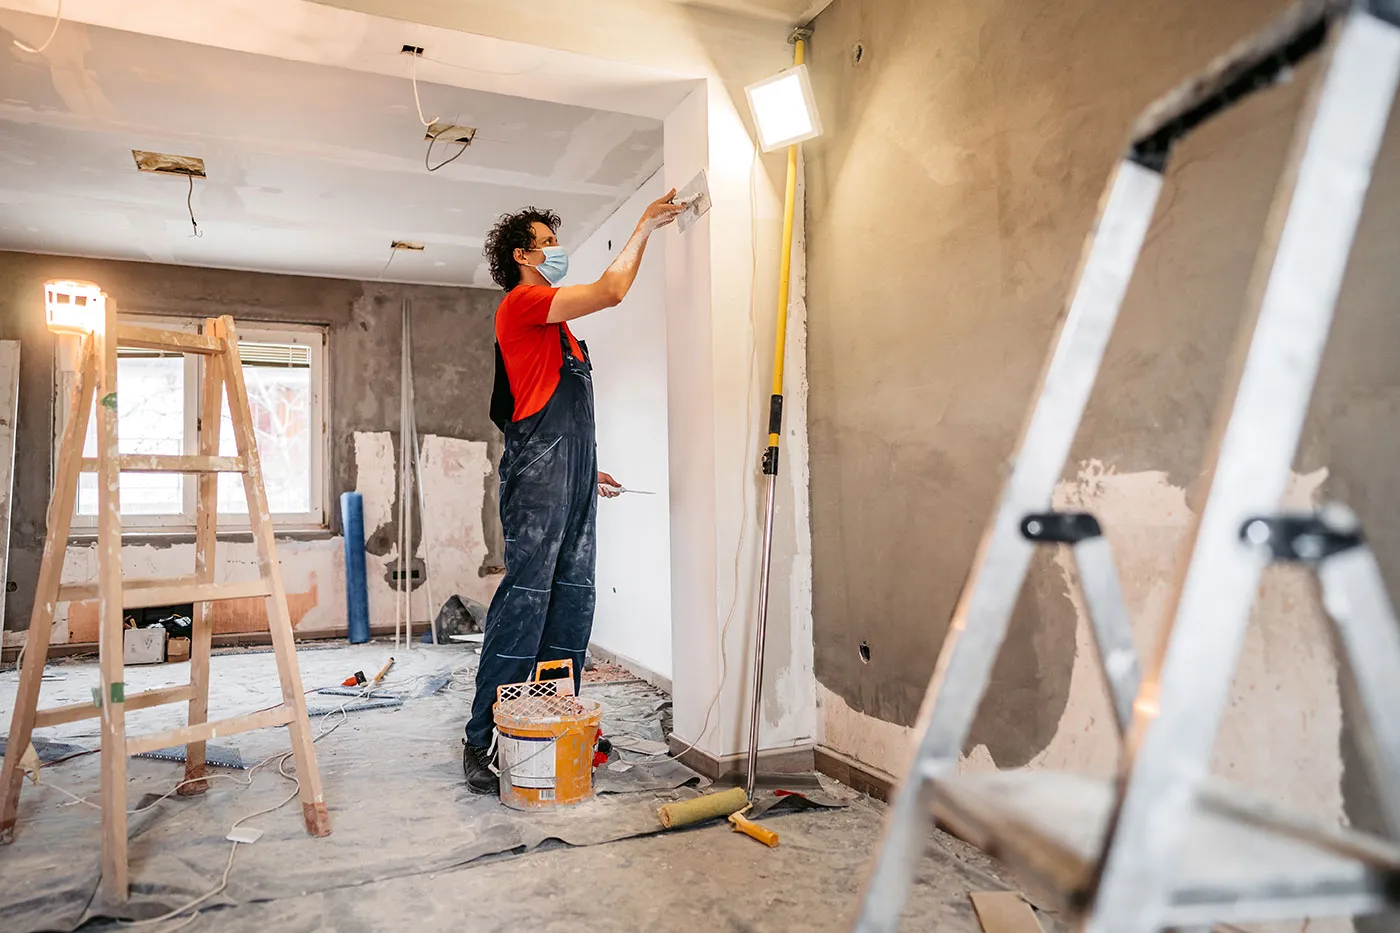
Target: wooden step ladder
point(223, 371)
point(1163, 845)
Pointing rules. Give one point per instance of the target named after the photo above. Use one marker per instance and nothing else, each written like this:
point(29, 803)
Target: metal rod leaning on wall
point(775, 428)
point(403, 614)
point(419, 487)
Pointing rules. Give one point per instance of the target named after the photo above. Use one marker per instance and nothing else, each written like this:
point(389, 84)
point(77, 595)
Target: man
point(543, 401)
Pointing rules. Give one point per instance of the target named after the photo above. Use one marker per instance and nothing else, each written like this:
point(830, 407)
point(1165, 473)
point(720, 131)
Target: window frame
point(313, 336)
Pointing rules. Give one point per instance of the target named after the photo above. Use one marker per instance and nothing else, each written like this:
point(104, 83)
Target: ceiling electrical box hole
point(857, 54)
point(865, 652)
point(408, 245)
point(450, 133)
point(162, 163)
point(412, 50)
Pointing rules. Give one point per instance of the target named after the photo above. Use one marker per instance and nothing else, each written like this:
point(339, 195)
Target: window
point(158, 408)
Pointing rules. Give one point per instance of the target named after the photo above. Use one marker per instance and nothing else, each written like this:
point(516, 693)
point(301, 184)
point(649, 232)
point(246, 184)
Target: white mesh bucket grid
point(541, 702)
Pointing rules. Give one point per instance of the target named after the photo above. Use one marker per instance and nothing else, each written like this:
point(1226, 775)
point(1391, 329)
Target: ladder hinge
point(1060, 527)
point(1300, 538)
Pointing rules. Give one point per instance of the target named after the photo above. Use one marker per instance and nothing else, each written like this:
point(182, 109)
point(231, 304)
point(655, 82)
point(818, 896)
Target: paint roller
point(730, 804)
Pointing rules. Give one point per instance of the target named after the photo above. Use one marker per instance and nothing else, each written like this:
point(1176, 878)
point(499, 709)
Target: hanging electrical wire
point(417, 102)
point(189, 204)
point(57, 19)
point(427, 156)
point(392, 253)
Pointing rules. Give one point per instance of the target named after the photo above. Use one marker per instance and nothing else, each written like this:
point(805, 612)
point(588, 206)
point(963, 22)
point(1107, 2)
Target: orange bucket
point(545, 740)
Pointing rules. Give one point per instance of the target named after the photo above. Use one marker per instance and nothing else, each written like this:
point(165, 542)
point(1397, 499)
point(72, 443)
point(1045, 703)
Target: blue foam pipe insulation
point(352, 518)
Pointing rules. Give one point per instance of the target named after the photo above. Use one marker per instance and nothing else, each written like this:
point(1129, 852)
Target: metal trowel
point(696, 198)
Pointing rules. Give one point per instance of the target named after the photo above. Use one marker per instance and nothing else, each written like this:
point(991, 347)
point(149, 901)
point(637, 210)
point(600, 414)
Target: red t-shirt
point(530, 346)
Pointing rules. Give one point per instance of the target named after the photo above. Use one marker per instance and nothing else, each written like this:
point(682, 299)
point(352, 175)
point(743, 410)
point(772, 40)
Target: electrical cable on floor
point(189, 203)
point(57, 20)
point(281, 769)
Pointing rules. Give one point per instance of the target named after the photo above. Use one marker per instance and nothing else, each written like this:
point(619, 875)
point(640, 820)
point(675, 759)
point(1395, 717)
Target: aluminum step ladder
point(1165, 846)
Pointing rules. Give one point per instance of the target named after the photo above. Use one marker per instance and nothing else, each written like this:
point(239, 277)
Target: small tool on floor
point(356, 679)
point(382, 671)
point(751, 829)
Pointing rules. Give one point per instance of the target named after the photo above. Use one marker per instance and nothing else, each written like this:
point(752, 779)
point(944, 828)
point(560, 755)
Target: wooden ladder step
point(277, 716)
point(142, 594)
point(73, 712)
point(168, 463)
point(176, 341)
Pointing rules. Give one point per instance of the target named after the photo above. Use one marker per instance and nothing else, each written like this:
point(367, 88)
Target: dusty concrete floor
point(412, 850)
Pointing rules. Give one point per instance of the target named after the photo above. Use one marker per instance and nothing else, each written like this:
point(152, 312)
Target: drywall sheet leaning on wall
point(9, 412)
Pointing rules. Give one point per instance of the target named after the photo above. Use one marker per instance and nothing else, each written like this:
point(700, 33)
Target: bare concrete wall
point(947, 207)
point(452, 360)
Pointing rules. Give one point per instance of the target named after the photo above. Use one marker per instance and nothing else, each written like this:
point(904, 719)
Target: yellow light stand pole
point(775, 428)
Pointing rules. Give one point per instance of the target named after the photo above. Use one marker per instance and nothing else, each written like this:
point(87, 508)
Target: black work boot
point(476, 765)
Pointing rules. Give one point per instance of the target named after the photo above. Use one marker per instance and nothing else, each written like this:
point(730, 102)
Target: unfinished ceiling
point(789, 11)
point(312, 169)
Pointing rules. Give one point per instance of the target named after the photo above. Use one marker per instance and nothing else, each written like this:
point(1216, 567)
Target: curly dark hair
point(513, 232)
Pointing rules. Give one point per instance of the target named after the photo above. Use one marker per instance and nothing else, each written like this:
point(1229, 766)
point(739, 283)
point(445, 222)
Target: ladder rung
point(277, 716)
point(176, 341)
point(168, 463)
point(142, 594)
point(73, 712)
point(1239, 861)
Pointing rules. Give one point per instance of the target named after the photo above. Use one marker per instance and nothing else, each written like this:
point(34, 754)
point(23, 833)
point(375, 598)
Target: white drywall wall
point(627, 345)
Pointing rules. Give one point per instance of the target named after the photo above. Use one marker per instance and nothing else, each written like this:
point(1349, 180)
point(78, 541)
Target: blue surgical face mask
point(555, 265)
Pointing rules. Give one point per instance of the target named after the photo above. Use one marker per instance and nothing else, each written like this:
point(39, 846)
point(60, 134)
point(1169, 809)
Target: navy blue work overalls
point(543, 610)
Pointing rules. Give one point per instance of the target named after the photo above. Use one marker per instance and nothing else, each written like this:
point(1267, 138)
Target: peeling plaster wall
point(453, 377)
point(948, 205)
